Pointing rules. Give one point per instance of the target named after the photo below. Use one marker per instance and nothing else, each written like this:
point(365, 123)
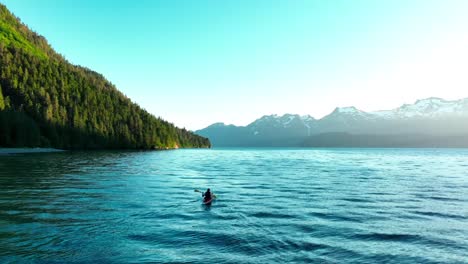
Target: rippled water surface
point(274, 205)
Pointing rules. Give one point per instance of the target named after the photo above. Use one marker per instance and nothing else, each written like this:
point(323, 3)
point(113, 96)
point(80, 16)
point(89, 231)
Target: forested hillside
point(46, 101)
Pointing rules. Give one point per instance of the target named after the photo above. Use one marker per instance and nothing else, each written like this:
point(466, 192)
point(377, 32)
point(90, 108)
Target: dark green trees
point(46, 101)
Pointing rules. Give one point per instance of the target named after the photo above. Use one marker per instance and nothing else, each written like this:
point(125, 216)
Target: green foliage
point(47, 101)
point(9, 37)
point(14, 33)
point(2, 101)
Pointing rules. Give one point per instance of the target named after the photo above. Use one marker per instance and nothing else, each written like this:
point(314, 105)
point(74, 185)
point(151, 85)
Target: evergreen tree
point(46, 101)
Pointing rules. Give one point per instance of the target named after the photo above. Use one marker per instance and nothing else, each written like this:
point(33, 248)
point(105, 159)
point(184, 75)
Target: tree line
point(46, 101)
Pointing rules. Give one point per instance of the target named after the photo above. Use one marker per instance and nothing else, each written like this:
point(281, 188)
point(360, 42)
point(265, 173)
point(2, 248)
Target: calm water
point(274, 205)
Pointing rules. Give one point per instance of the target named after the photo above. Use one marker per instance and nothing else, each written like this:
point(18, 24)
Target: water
point(274, 205)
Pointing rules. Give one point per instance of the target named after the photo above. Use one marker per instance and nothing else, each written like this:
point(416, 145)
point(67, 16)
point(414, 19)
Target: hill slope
point(46, 101)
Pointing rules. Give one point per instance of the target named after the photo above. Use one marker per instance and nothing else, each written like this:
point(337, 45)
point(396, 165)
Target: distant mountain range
point(432, 122)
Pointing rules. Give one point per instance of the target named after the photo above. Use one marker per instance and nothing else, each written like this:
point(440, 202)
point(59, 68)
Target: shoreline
point(7, 151)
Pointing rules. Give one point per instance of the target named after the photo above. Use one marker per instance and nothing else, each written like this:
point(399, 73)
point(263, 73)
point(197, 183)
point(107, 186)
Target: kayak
point(208, 202)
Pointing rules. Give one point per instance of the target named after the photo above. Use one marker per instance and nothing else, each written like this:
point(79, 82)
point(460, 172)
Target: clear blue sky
point(198, 62)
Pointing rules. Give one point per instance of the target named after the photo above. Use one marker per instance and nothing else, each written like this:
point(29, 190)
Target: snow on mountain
point(348, 110)
point(426, 108)
point(307, 121)
point(286, 120)
point(307, 118)
point(291, 122)
point(434, 116)
point(432, 108)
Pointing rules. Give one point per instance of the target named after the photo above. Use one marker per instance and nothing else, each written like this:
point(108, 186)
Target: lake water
point(274, 205)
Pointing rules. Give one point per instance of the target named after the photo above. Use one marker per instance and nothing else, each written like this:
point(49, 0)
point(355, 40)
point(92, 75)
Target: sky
point(195, 63)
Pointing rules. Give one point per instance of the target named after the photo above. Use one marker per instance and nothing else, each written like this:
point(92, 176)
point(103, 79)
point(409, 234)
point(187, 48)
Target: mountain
point(431, 119)
point(269, 130)
point(46, 101)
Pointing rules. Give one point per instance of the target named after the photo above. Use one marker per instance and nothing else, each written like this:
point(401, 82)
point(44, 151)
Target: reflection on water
point(274, 205)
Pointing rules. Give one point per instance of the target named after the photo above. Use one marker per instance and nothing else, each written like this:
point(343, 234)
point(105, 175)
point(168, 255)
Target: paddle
point(214, 195)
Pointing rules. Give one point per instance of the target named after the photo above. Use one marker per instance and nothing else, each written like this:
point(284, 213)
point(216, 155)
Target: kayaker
point(207, 195)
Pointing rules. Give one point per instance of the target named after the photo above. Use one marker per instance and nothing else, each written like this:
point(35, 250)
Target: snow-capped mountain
point(266, 123)
point(427, 108)
point(286, 120)
point(433, 116)
point(349, 111)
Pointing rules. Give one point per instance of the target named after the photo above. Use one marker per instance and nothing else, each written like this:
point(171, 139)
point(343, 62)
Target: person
point(207, 195)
